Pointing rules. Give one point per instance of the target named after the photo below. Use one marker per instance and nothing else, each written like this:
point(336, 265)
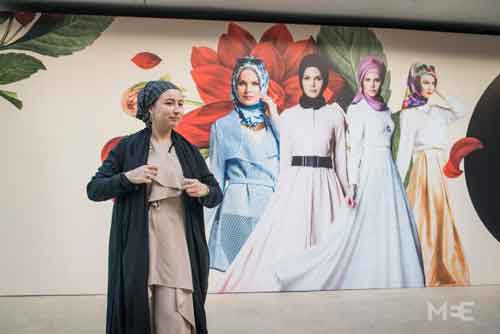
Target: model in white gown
point(374, 245)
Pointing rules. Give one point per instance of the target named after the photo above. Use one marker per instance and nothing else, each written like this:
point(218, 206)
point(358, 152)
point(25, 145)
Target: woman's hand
point(142, 174)
point(271, 108)
point(437, 99)
point(195, 188)
point(351, 197)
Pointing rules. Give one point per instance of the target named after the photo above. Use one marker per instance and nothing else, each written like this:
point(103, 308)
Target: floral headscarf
point(413, 96)
point(254, 114)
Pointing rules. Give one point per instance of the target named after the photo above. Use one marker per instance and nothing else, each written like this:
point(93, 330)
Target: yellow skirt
point(443, 255)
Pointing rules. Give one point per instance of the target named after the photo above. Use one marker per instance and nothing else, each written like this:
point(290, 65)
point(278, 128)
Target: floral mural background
point(52, 35)
point(105, 61)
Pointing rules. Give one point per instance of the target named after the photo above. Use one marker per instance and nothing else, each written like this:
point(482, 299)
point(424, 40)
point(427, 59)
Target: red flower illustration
point(110, 144)
point(146, 60)
point(24, 18)
point(211, 72)
point(460, 149)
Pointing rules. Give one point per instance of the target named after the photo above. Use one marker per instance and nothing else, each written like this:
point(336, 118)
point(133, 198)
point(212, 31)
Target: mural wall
point(341, 151)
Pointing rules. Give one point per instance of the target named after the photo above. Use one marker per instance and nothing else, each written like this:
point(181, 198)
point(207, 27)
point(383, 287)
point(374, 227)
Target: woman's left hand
point(271, 108)
point(437, 98)
point(194, 188)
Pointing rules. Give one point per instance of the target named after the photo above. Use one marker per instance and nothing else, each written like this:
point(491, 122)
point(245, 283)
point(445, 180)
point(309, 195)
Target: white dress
point(306, 202)
point(374, 245)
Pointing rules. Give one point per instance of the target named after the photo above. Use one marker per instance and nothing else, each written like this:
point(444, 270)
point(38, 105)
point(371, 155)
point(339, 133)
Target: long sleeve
point(339, 150)
point(456, 110)
point(275, 121)
point(355, 126)
point(216, 157)
point(408, 130)
point(285, 145)
point(214, 196)
point(110, 181)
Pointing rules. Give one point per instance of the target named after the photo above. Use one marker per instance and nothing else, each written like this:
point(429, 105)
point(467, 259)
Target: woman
point(421, 149)
point(159, 182)
point(311, 187)
point(375, 244)
point(244, 158)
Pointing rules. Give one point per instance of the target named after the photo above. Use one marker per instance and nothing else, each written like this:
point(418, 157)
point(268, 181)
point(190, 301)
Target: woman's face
point(372, 83)
point(312, 82)
point(168, 109)
point(428, 85)
point(248, 87)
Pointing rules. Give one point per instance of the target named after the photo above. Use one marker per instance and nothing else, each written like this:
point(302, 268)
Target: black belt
point(312, 161)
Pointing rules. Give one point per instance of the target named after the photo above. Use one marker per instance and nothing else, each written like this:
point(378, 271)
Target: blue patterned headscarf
point(254, 114)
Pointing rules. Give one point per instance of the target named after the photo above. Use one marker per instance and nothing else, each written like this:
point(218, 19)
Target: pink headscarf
point(368, 64)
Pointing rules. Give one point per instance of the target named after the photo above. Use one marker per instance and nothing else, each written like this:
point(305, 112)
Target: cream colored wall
point(53, 240)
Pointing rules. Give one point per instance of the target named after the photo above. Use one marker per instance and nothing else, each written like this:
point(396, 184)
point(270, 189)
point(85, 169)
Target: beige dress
point(170, 278)
point(423, 142)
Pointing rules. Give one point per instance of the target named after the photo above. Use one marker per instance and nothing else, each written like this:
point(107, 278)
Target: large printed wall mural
point(338, 189)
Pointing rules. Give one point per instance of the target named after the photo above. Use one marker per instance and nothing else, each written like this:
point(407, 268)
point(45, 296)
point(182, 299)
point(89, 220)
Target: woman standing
point(421, 157)
point(311, 186)
point(157, 239)
point(244, 158)
point(375, 244)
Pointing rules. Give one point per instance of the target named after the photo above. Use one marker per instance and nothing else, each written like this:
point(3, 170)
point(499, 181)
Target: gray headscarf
point(148, 96)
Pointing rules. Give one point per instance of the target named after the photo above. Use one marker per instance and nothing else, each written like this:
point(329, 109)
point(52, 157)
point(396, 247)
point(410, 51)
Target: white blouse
point(367, 129)
point(425, 127)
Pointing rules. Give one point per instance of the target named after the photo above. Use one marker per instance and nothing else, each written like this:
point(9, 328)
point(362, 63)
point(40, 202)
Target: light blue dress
point(246, 164)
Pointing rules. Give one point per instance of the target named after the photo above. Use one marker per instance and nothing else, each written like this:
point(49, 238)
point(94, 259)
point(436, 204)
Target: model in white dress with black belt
point(375, 244)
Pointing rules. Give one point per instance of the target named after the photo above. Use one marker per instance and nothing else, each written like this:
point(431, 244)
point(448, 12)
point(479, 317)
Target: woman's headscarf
point(322, 65)
point(148, 96)
point(368, 64)
point(413, 96)
point(254, 114)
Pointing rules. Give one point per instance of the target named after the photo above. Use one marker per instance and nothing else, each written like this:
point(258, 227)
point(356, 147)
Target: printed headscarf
point(148, 96)
point(413, 95)
point(253, 114)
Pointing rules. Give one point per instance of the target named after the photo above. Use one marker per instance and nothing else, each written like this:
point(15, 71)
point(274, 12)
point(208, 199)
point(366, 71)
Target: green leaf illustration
point(203, 152)
point(12, 98)
point(346, 46)
point(166, 77)
point(61, 36)
point(4, 16)
point(396, 136)
point(17, 66)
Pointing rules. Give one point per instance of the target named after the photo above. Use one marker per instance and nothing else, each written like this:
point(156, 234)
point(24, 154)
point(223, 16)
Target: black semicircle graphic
point(482, 168)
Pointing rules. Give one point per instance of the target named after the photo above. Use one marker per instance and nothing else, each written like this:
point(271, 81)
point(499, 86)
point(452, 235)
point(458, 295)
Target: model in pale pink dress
point(311, 185)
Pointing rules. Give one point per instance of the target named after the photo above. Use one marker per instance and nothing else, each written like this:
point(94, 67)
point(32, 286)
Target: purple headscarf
point(413, 96)
point(368, 64)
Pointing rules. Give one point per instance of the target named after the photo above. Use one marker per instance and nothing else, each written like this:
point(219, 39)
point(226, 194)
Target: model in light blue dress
point(245, 163)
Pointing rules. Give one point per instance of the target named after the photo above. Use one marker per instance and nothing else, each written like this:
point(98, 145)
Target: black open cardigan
point(127, 307)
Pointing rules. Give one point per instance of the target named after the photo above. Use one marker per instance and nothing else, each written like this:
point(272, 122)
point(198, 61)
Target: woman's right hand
point(142, 174)
point(351, 197)
point(271, 108)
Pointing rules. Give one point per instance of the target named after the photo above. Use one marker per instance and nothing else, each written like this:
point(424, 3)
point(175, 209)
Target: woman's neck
point(161, 135)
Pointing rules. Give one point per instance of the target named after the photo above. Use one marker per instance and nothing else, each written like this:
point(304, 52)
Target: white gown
point(375, 245)
point(305, 204)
